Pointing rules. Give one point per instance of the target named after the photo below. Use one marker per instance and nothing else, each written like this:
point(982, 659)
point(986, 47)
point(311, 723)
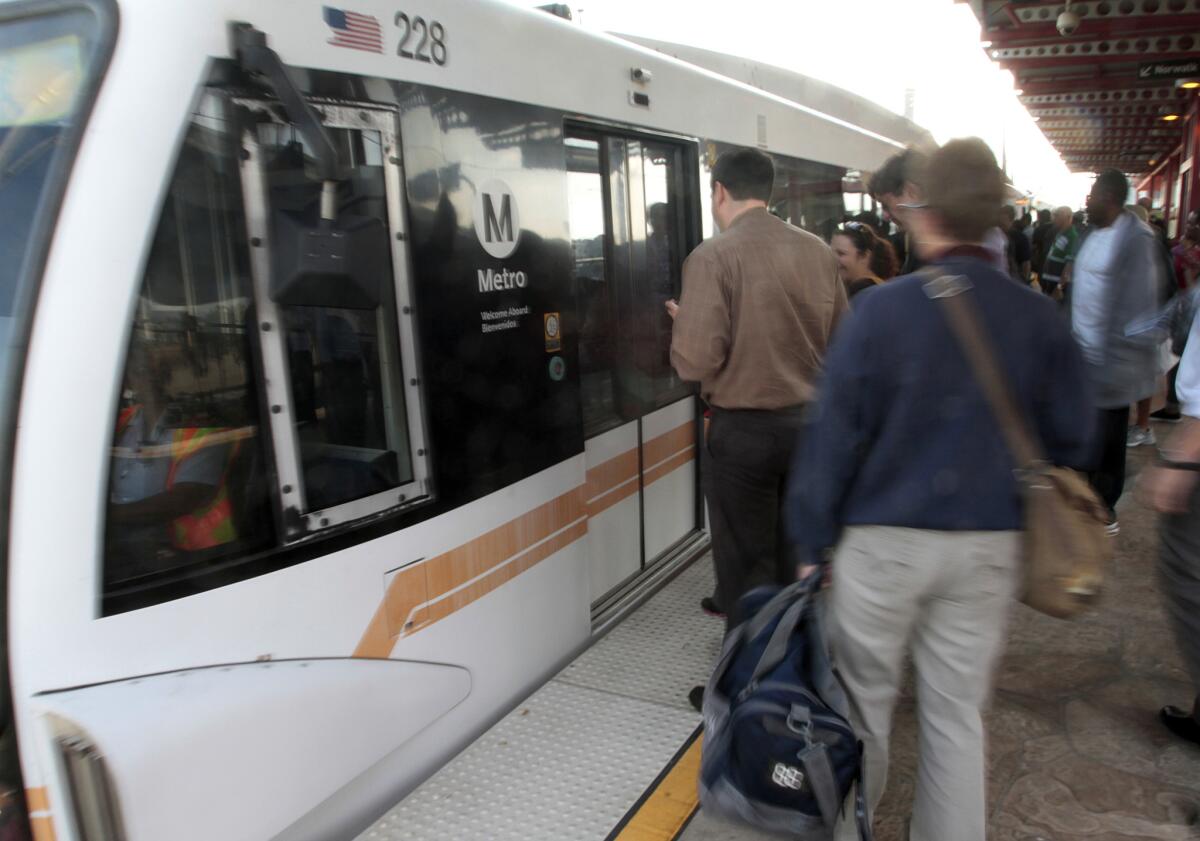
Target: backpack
point(779, 751)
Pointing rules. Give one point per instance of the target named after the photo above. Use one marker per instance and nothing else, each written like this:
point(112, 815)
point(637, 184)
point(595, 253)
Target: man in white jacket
point(1116, 280)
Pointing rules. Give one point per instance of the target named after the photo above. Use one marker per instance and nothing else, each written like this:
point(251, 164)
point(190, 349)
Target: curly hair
point(884, 264)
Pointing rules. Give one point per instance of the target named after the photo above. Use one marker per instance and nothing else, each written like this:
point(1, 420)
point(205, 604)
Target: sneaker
point(1138, 435)
point(1167, 415)
point(1181, 723)
point(709, 606)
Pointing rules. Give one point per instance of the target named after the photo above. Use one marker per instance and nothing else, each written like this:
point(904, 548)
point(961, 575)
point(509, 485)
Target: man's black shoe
point(1182, 724)
point(710, 607)
point(696, 697)
point(1168, 415)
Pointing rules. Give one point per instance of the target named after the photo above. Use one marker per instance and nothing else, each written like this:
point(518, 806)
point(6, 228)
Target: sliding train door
point(632, 219)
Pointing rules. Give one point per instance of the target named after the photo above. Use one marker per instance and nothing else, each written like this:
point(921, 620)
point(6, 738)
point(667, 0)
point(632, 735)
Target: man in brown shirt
point(759, 303)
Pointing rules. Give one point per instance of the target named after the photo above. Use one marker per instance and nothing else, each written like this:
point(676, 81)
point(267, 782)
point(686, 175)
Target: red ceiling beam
point(1130, 49)
point(1085, 83)
point(1105, 153)
point(1102, 128)
point(1109, 149)
point(1060, 111)
point(1105, 142)
point(1107, 121)
point(1165, 130)
point(1093, 100)
point(1062, 142)
point(1017, 64)
point(1092, 28)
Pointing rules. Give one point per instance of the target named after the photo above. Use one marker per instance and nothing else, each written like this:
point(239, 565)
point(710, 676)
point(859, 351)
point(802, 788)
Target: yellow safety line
point(669, 806)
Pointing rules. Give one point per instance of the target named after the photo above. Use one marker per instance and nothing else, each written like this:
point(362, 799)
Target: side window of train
point(271, 388)
point(807, 194)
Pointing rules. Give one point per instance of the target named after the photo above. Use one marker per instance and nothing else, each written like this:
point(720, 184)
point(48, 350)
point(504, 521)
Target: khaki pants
point(946, 596)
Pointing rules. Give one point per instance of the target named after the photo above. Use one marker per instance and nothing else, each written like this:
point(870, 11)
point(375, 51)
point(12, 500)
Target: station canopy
point(1113, 93)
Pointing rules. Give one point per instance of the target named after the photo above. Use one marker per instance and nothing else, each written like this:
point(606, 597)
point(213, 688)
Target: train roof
point(507, 52)
point(803, 90)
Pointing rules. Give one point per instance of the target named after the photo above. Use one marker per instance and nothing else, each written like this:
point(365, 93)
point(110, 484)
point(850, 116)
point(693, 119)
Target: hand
point(808, 569)
point(672, 308)
point(1167, 491)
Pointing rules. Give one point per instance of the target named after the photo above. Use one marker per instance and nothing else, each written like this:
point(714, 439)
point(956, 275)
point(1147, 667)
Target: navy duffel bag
point(779, 751)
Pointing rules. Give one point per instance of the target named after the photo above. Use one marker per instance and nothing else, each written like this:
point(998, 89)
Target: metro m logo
point(497, 220)
point(502, 228)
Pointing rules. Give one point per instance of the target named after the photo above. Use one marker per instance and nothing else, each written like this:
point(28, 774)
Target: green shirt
point(1061, 253)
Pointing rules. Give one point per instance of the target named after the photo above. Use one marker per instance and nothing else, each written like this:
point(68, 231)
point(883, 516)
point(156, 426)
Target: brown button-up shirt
point(759, 303)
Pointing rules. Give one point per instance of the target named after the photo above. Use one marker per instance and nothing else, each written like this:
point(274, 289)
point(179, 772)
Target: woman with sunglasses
point(863, 258)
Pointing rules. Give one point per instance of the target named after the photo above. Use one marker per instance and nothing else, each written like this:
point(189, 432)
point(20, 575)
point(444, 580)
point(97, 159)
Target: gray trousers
point(1179, 574)
point(944, 596)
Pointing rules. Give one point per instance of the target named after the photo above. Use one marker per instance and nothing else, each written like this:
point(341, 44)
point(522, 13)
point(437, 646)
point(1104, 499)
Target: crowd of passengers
point(848, 438)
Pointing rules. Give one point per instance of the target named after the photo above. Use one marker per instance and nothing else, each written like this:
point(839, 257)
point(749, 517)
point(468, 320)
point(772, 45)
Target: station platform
point(609, 748)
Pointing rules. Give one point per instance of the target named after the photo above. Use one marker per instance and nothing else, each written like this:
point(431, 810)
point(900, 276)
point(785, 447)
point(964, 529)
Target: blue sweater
point(903, 436)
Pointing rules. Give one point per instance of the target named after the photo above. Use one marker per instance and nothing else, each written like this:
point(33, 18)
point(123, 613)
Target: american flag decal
point(354, 31)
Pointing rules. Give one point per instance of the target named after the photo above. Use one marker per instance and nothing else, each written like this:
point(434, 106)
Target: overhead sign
point(497, 223)
point(1179, 68)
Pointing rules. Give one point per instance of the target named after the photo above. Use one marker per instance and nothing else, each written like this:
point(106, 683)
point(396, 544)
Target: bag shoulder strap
point(968, 329)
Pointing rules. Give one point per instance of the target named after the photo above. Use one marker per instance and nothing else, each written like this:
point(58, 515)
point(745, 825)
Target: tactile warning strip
point(571, 761)
point(662, 650)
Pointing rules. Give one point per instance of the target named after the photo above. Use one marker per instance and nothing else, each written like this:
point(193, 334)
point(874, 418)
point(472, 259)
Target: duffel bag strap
point(819, 771)
point(865, 833)
point(777, 646)
point(757, 623)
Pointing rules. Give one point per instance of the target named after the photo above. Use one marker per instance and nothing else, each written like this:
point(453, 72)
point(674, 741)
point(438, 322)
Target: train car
point(337, 405)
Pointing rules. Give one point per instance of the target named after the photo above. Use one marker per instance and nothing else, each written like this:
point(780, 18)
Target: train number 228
point(431, 45)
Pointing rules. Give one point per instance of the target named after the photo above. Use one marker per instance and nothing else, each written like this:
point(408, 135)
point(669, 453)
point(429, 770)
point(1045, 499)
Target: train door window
point(598, 346)
point(188, 458)
point(341, 372)
point(662, 221)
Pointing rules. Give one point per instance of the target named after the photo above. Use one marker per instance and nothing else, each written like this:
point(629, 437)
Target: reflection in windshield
point(39, 82)
point(41, 74)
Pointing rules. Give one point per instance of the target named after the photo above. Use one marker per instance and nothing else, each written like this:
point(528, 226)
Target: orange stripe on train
point(427, 591)
point(413, 594)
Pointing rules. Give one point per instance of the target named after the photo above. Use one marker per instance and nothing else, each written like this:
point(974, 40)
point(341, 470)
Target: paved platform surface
point(1076, 751)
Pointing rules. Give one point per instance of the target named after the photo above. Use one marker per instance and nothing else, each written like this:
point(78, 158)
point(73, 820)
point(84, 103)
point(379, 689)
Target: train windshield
point(48, 64)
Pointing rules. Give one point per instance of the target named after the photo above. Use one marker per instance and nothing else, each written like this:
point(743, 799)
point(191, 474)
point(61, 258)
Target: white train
point(337, 411)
